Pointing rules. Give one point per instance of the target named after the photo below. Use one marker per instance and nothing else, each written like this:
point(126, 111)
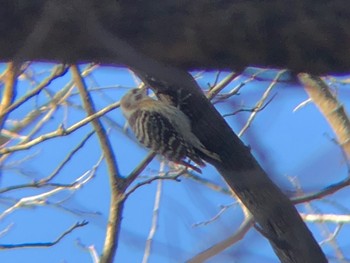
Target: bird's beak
point(144, 90)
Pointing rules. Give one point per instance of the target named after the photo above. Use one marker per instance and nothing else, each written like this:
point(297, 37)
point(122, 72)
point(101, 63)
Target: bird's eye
point(138, 97)
point(134, 91)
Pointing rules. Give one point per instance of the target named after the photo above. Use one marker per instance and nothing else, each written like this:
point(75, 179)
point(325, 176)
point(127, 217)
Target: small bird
point(163, 128)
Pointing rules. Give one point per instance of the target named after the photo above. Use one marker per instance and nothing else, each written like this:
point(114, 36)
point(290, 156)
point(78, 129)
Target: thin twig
point(68, 158)
point(261, 102)
point(152, 179)
point(223, 208)
point(44, 244)
point(331, 189)
point(57, 72)
point(6, 230)
point(254, 109)
point(223, 84)
point(228, 242)
point(60, 131)
point(302, 104)
point(237, 88)
point(332, 237)
point(32, 116)
point(155, 217)
point(92, 251)
point(41, 199)
point(44, 182)
point(324, 228)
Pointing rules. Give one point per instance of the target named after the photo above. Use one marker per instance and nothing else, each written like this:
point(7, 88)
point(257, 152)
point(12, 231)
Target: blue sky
point(286, 143)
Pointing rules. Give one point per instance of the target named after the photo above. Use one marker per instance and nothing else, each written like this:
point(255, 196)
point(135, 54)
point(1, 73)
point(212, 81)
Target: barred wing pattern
point(156, 132)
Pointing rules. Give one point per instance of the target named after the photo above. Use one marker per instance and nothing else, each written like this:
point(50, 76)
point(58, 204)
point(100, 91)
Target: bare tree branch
point(216, 249)
point(235, 90)
point(223, 84)
point(332, 110)
point(44, 244)
point(136, 172)
point(117, 183)
point(326, 218)
point(44, 182)
point(9, 91)
point(324, 228)
point(41, 199)
point(155, 178)
point(261, 102)
point(57, 72)
point(61, 131)
point(92, 251)
point(155, 216)
point(223, 208)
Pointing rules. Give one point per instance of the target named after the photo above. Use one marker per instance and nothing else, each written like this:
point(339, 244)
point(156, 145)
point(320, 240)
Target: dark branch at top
point(305, 36)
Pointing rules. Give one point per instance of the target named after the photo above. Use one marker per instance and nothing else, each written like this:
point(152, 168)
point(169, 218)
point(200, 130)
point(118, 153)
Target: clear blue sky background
point(286, 143)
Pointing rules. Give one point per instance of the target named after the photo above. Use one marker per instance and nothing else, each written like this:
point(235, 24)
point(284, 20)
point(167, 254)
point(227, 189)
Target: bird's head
point(131, 99)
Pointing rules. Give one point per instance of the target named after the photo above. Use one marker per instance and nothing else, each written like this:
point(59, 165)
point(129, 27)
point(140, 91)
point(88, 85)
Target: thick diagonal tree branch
point(272, 210)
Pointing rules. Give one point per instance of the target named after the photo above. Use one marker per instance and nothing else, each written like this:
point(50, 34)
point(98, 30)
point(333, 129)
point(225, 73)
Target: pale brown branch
point(116, 182)
point(327, 103)
point(9, 91)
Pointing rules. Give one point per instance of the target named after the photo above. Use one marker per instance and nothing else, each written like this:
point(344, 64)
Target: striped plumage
point(162, 128)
